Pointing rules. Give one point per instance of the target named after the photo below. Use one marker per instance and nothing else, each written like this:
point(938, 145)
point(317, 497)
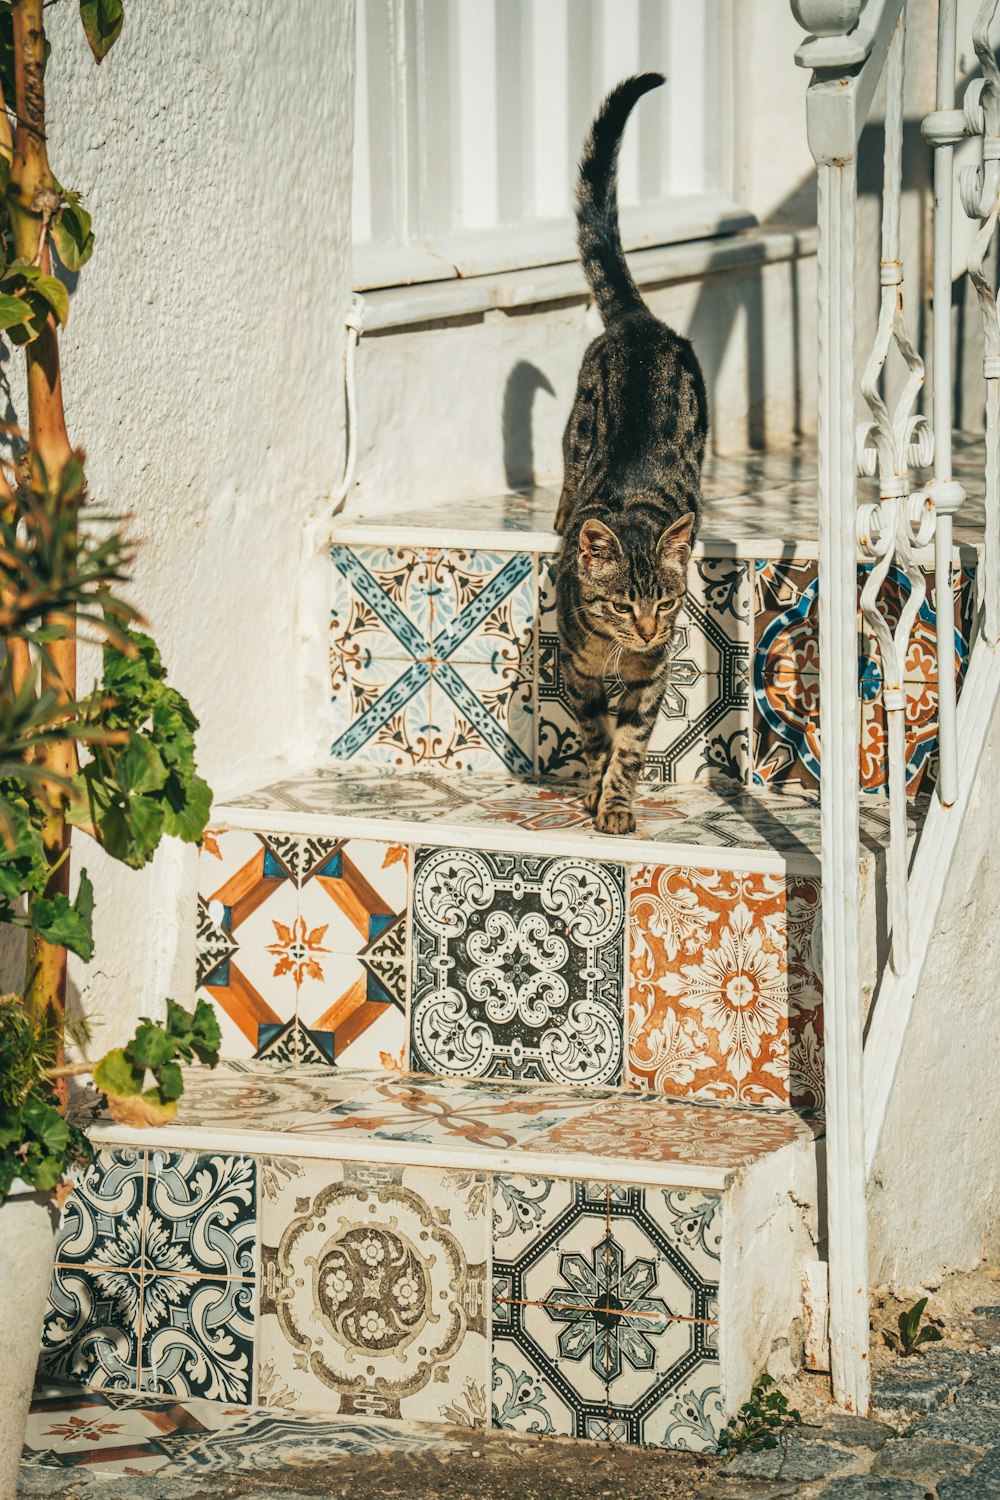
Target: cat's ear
point(674, 545)
point(598, 545)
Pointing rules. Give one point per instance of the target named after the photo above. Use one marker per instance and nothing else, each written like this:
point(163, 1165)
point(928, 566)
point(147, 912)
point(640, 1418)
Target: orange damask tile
point(725, 999)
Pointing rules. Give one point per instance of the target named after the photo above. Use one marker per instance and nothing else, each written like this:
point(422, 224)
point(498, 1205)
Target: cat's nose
point(646, 629)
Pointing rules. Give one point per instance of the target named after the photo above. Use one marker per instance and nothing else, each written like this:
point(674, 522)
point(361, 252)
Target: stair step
point(471, 926)
point(445, 651)
point(720, 822)
point(756, 504)
point(386, 1246)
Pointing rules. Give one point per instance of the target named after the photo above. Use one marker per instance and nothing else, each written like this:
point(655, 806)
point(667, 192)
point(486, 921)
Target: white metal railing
point(854, 45)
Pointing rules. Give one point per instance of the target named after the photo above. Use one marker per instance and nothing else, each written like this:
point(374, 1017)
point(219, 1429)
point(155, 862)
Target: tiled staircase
point(520, 1123)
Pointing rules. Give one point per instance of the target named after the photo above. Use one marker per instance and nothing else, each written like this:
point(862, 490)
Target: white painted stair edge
point(929, 881)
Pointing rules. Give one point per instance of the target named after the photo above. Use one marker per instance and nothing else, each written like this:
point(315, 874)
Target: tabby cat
point(631, 497)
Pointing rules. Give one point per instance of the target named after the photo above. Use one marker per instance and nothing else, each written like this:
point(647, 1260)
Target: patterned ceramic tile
point(483, 606)
point(338, 1108)
point(201, 1215)
point(154, 1277)
point(438, 1112)
point(198, 1338)
point(703, 726)
point(714, 1009)
point(786, 675)
point(269, 1440)
point(302, 946)
point(432, 657)
point(352, 916)
point(69, 1428)
point(361, 791)
point(605, 1309)
point(481, 716)
point(381, 711)
point(517, 967)
point(373, 1292)
point(91, 1332)
point(650, 1128)
point(247, 909)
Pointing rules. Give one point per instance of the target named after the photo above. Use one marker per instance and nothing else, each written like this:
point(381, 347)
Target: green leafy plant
point(115, 761)
point(911, 1335)
point(38, 1145)
point(759, 1422)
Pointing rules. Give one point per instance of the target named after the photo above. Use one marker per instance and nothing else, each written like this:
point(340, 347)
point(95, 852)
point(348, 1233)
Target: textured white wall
point(934, 1199)
point(203, 363)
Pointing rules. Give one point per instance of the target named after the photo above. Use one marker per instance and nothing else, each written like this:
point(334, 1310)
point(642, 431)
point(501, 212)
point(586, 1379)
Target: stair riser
point(693, 982)
point(449, 658)
point(443, 1297)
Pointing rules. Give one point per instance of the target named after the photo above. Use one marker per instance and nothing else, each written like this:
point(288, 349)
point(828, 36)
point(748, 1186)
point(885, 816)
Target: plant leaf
point(64, 925)
point(170, 1080)
point(115, 1076)
point(150, 1046)
point(13, 311)
point(72, 234)
point(46, 1123)
point(102, 22)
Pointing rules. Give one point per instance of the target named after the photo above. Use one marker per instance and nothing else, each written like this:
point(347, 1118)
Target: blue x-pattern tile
point(432, 657)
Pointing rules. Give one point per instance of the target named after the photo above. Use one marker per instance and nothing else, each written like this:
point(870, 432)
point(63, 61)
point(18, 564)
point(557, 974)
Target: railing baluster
point(841, 850)
point(943, 130)
point(980, 189)
point(888, 531)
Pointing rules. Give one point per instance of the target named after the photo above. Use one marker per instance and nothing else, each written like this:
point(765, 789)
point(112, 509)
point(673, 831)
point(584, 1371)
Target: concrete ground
point(935, 1436)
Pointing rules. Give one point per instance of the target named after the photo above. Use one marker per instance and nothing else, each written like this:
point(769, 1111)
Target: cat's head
point(631, 588)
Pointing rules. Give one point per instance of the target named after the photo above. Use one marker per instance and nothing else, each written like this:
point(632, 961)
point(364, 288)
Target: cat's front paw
point(614, 820)
point(592, 800)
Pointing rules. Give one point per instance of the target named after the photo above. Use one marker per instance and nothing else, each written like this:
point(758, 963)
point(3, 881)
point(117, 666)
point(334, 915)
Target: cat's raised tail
point(598, 237)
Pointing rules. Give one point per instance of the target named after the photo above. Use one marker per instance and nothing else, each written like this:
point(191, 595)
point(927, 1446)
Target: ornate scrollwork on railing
point(890, 530)
point(980, 191)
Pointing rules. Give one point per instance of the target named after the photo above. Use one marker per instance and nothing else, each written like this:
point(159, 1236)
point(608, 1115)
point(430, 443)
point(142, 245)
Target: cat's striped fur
point(631, 498)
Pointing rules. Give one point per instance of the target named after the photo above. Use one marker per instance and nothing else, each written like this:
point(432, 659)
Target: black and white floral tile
point(605, 1312)
point(190, 1288)
point(155, 1276)
point(518, 967)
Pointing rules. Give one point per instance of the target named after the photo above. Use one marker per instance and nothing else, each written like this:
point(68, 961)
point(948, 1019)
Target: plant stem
point(32, 186)
point(31, 194)
point(69, 1070)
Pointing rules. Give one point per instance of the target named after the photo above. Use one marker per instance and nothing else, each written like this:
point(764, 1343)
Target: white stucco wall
point(934, 1198)
point(202, 366)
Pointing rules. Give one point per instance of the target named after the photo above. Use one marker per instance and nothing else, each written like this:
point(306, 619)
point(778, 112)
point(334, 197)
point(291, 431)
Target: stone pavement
point(936, 1436)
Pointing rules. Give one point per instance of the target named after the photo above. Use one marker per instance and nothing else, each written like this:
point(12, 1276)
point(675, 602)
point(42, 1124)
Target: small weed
point(911, 1335)
point(759, 1422)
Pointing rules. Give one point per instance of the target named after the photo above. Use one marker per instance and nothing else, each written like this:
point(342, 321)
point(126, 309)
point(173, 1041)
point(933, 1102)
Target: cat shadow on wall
point(523, 382)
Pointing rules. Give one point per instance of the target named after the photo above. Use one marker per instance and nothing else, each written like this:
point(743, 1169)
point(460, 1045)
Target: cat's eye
point(622, 609)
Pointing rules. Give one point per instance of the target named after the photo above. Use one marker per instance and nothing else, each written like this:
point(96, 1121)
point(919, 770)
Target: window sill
point(390, 308)
point(541, 242)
